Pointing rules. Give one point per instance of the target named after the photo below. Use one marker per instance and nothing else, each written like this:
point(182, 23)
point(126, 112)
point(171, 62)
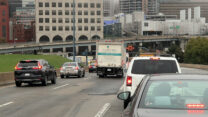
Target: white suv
point(141, 66)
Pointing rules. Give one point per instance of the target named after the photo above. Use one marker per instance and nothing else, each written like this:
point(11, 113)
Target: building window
point(67, 5)
point(59, 4)
point(54, 20)
point(98, 28)
point(53, 12)
point(92, 12)
point(3, 20)
point(92, 20)
point(54, 28)
point(92, 28)
point(66, 28)
point(67, 12)
point(3, 13)
point(72, 4)
point(72, 20)
point(60, 28)
point(92, 5)
point(73, 28)
point(80, 5)
point(67, 20)
point(47, 20)
point(72, 12)
point(85, 5)
point(80, 28)
point(98, 20)
point(4, 31)
point(85, 12)
point(79, 12)
point(86, 28)
point(40, 20)
point(60, 12)
point(98, 12)
point(85, 20)
point(60, 20)
point(40, 12)
point(40, 4)
point(46, 4)
point(80, 20)
point(40, 28)
point(53, 4)
point(146, 24)
point(98, 5)
point(46, 12)
point(47, 28)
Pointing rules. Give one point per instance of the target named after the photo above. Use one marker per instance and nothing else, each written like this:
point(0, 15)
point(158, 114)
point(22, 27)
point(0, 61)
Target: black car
point(92, 67)
point(168, 96)
point(29, 71)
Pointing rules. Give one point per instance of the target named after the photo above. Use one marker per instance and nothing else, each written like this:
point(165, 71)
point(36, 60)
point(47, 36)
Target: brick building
point(4, 21)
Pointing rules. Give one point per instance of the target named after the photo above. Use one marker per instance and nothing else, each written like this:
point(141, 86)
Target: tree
point(175, 49)
point(197, 51)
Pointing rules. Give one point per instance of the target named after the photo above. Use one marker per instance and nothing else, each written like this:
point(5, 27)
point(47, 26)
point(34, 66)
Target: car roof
point(178, 77)
point(148, 58)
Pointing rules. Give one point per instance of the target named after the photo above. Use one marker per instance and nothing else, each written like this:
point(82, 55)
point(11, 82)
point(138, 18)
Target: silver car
point(72, 69)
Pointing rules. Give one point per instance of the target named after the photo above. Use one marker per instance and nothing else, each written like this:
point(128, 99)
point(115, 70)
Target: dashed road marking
point(103, 110)
point(60, 86)
point(8, 103)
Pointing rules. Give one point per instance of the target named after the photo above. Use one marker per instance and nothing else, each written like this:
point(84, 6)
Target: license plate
point(108, 69)
point(27, 74)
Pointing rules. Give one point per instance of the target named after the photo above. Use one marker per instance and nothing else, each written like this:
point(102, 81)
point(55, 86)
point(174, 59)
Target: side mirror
point(124, 95)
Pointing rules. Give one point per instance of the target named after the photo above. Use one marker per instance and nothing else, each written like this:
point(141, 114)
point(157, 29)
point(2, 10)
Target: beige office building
point(54, 20)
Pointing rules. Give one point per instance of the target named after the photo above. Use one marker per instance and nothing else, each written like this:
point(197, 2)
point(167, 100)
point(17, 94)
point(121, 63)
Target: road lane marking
point(60, 86)
point(103, 110)
point(8, 103)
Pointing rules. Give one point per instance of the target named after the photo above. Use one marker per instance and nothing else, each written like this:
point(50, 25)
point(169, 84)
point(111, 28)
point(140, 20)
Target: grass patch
point(8, 62)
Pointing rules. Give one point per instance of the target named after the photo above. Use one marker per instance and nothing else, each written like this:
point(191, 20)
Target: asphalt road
point(73, 97)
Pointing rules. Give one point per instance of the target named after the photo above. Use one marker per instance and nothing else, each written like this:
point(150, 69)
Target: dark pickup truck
point(29, 71)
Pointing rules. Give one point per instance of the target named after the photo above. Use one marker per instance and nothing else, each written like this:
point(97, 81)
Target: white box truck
point(111, 58)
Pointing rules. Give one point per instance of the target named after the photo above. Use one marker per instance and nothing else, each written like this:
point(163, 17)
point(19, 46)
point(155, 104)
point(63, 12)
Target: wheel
point(83, 74)
point(62, 76)
point(125, 104)
point(53, 81)
point(18, 84)
point(79, 75)
point(101, 76)
point(90, 71)
point(45, 82)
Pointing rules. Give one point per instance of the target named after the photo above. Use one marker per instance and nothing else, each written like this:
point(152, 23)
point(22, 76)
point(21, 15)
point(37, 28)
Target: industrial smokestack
point(182, 15)
point(197, 12)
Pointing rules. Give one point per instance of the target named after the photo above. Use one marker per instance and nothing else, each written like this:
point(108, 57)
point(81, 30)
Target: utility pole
point(74, 46)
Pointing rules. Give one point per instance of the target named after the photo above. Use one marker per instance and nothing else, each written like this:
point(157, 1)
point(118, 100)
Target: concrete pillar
point(89, 48)
point(51, 50)
point(64, 49)
point(77, 50)
point(183, 45)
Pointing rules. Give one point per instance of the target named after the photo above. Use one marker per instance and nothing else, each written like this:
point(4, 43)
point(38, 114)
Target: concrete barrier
point(6, 78)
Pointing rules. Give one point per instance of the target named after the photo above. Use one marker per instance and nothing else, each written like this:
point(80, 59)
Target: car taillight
point(61, 68)
point(77, 68)
point(195, 106)
point(90, 66)
point(17, 68)
point(129, 81)
point(38, 67)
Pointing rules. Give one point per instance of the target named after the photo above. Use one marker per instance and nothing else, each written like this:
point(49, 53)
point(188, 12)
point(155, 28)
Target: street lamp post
point(74, 46)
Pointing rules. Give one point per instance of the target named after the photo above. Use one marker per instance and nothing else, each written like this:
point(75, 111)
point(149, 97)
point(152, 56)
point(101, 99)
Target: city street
point(72, 97)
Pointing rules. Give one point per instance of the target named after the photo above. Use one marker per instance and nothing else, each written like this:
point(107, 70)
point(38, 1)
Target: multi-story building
point(110, 7)
point(54, 20)
point(4, 20)
point(150, 7)
point(174, 7)
point(13, 4)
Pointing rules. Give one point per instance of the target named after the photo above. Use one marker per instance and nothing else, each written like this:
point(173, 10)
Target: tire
point(62, 76)
point(90, 71)
point(18, 84)
point(53, 81)
point(125, 104)
point(83, 74)
point(79, 75)
point(101, 76)
point(45, 82)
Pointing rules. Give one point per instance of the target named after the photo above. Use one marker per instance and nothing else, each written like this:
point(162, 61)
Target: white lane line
point(103, 110)
point(60, 86)
point(8, 103)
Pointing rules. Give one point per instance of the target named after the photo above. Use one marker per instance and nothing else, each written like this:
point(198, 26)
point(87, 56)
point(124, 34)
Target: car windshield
point(28, 64)
point(70, 64)
point(154, 66)
point(176, 94)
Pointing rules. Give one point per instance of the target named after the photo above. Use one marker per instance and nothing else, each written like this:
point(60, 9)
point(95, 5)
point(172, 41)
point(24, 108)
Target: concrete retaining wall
point(196, 66)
